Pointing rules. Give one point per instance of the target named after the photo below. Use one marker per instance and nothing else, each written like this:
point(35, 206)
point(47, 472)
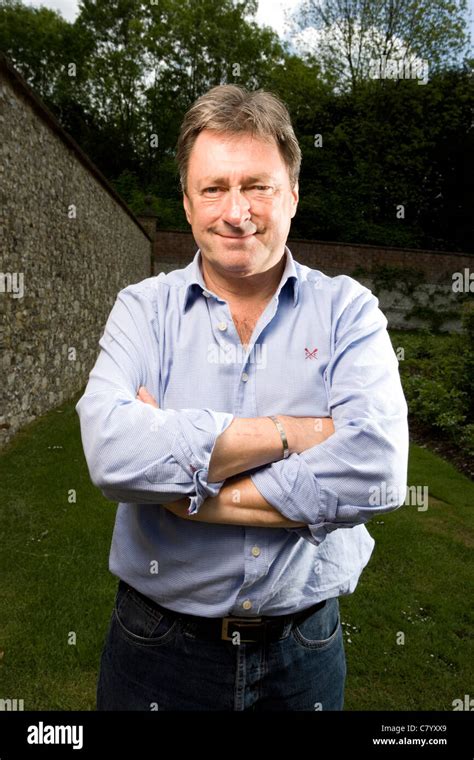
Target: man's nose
point(236, 209)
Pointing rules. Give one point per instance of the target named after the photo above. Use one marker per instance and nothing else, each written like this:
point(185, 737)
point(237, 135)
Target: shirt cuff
point(194, 445)
point(291, 487)
point(315, 534)
point(203, 490)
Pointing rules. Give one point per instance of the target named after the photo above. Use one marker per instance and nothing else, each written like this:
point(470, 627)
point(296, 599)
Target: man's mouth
point(237, 237)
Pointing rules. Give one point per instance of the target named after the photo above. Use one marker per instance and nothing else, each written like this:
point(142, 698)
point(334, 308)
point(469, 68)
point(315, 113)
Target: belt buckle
point(242, 622)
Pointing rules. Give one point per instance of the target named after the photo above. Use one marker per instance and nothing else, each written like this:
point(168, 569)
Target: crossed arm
point(237, 503)
point(231, 470)
point(244, 444)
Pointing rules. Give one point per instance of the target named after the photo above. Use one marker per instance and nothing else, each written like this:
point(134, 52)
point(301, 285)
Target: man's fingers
point(146, 397)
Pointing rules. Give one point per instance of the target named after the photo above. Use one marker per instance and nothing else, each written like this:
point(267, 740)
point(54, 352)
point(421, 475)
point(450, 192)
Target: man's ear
point(295, 193)
point(187, 207)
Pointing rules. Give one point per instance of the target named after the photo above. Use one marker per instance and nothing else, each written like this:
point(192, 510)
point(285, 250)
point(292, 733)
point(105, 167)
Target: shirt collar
point(195, 285)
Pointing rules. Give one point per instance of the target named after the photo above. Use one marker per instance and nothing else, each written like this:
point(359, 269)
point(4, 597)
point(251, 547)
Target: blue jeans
point(154, 661)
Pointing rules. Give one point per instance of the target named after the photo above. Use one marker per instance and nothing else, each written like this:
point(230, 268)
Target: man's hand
point(146, 397)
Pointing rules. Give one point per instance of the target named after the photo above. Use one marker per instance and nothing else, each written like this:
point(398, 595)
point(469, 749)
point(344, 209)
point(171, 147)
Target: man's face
point(239, 202)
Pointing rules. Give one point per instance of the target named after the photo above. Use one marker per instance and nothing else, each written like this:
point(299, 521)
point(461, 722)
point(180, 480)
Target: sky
point(270, 12)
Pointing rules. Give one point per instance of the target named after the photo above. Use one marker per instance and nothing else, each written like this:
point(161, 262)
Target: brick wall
point(175, 249)
point(344, 258)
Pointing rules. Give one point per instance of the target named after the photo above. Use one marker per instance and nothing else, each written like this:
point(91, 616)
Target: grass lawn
point(55, 580)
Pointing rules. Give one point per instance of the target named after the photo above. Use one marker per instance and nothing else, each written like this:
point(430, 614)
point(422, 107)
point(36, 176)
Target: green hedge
point(437, 374)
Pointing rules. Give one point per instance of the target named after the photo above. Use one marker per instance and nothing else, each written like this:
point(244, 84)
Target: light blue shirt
point(319, 349)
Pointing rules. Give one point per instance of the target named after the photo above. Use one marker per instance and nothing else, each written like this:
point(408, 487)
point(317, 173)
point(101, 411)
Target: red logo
point(311, 354)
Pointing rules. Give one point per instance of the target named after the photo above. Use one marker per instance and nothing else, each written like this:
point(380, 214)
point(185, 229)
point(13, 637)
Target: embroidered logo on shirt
point(311, 354)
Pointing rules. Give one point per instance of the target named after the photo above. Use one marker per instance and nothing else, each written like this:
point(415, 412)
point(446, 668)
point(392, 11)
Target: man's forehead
point(226, 158)
point(233, 148)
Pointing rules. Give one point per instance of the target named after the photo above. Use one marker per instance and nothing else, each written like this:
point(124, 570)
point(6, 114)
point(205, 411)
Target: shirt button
point(247, 605)
point(205, 293)
point(245, 377)
point(255, 551)
point(222, 326)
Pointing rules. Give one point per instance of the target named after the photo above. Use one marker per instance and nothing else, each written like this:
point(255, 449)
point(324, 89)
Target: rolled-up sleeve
point(135, 452)
point(361, 470)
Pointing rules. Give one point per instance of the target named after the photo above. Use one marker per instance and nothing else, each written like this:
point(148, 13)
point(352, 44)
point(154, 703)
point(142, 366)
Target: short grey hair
point(229, 109)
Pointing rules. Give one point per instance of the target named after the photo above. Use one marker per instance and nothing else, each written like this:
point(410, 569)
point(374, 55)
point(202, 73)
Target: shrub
point(435, 404)
point(437, 375)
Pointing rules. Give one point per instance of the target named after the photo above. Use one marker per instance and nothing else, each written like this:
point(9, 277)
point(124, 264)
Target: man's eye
point(261, 189)
point(257, 190)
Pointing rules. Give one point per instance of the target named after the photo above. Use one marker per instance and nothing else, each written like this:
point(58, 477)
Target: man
point(241, 411)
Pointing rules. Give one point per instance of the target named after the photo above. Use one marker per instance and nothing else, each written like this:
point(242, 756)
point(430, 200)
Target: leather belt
point(249, 629)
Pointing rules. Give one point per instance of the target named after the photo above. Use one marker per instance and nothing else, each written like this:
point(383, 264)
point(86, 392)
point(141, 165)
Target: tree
point(51, 54)
point(367, 150)
point(349, 35)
